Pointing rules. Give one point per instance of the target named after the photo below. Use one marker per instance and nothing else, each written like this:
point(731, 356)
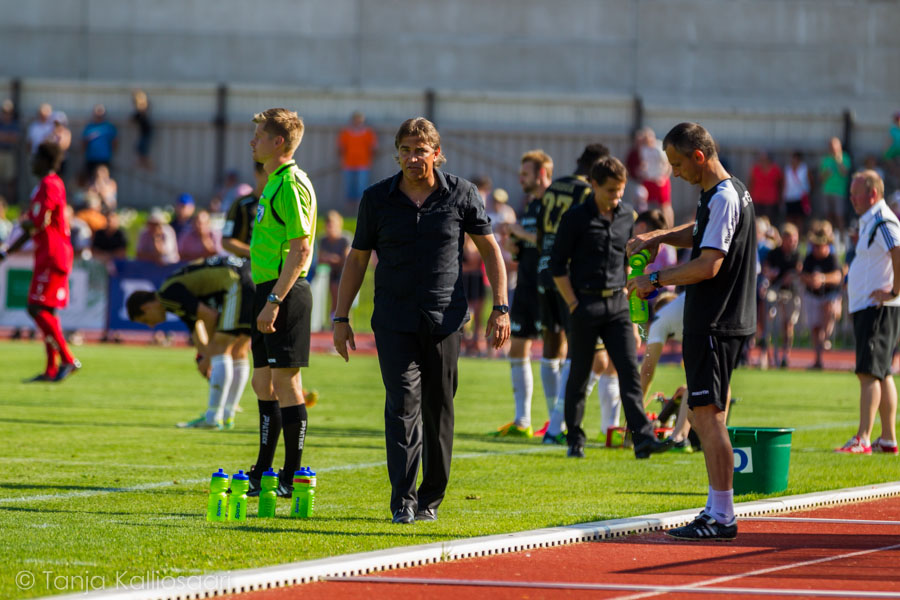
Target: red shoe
point(880, 445)
point(855, 446)
point(540, 432)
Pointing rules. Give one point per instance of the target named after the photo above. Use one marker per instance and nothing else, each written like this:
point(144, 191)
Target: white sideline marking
point(693, 587)
point(661, 589)
point(247, 580)
point(161, 484)
point(821, 520)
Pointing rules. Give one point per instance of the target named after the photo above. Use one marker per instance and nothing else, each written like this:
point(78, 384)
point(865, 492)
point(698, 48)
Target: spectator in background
point(99, 139)
point(157, 242)
point(110, 243)
point(766, 182)
point(6, 225)
point(199, 240)
point(333, 250)
point(232, 189)
point(106, 188)
point(40, 128)
point(141, 118)
point(797, 186)
point(61, 135)
point(356, 144)
point(238, 227)
point(80, 233)
point(654, 172)
point(9, 144)
point(822, 278)
point(892, 154)
point(781, 269)
point(870, 163)
point(834, 174)
point(90, 212)
point(475, 288)
point(184, 212)
point(666, 256)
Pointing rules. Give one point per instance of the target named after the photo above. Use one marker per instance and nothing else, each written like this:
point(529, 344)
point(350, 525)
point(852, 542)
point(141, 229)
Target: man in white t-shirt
point(873, 288)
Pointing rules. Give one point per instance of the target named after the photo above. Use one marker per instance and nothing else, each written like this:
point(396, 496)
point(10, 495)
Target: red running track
point(848, 551)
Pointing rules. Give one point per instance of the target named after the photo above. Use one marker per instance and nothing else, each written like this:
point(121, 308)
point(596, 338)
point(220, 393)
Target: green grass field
point(96, 479)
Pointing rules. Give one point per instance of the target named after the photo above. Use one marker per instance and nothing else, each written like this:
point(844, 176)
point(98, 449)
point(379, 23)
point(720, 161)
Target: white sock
point(610, 401)
point(709, 493)
point(236, 389)
point(523, 386)
point(722, 506)
point(550, 381)
point(220, 376)
point(591, 383)
point(558, 415)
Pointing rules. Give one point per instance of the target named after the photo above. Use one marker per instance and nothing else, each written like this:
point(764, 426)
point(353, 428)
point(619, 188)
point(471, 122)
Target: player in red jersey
point(45, 223)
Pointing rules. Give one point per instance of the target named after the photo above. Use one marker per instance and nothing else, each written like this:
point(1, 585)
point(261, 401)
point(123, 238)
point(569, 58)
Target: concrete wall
point(813, 54)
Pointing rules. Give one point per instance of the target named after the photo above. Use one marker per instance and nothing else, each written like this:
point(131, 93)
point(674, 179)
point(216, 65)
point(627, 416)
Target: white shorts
point(668, 323)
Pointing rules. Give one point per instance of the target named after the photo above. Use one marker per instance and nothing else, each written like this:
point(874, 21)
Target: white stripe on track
point(697, 587)
point(820, 520)
point(660, 589)
point(161, 484)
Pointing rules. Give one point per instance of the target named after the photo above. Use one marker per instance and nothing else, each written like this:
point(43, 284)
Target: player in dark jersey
point(719, 307)
point(214, 299)
point(562, 194)
point(535, 175)
point(238, 226)
point(46, 225)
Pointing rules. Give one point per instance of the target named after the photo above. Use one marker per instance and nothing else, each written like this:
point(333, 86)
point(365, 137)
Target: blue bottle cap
point(240, 476)
point(310, 472)
point(301, 472)
point(270, 473)
point(220, 473)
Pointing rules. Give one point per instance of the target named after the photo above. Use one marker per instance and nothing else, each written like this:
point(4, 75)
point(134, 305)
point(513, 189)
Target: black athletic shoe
point(66, 369)
point(285, 488)
point(645, 445)
point(404, 516)
point(575, 451)
point(705, 527)
point(255, 487)
point(427, 514)
point(39, 378)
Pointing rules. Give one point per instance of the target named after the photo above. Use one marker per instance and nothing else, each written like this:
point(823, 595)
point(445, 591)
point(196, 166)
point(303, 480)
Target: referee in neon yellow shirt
point(280, 257)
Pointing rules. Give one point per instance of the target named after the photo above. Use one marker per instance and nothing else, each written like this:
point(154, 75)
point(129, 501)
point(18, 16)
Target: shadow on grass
point(663, 493)
point(87, 512)
point(103, 424)
point(52, 486)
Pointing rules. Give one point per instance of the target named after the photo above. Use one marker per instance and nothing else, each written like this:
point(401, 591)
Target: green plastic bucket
point(762, 456)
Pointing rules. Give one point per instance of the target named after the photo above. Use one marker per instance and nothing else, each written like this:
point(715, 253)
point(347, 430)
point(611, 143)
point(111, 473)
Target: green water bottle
point(217, 505)
point(267, 497)
point(303, 498)
point(638, 308)
point(237, 504)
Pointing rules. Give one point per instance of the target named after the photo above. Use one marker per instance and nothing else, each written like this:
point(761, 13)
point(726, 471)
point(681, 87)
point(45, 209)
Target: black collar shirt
point(419, 272)
point(590, 248)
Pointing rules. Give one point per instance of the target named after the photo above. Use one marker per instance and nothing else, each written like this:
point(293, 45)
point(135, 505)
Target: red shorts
point(658, 194)
point(50, 288)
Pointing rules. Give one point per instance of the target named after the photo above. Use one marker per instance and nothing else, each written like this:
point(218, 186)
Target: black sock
point(269, 431)
point(293, 424)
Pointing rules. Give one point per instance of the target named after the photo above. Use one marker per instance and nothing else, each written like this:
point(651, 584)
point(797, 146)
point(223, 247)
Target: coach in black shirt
point(588, 266)
point(416, 222)
point(719, 308)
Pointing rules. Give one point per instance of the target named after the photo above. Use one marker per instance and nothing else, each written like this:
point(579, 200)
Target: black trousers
point(607, 318)
point(420, 374)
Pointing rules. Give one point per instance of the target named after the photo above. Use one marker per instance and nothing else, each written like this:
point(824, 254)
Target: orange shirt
point(357, 147)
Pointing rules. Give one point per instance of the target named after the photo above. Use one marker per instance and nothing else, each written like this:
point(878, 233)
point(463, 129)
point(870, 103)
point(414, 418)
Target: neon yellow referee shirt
point(286, 211)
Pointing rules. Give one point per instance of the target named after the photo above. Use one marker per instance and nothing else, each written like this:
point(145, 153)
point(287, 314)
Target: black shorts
point(473, 286)
point(876, 330)
point(708, 363)
point(288, 346)
point(552, 309)
point(236, 314)
point(524, 316)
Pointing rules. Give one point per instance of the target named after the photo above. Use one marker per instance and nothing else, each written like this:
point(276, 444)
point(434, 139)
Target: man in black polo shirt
point(588, 266)
point(416, 221)
point(719, 308)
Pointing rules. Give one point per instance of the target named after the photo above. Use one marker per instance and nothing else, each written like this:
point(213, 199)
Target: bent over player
point(46, 224)
point(214, 299)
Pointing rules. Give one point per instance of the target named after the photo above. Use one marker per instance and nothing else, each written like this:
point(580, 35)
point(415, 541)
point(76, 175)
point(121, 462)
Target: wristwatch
point(654, 279)
point(273, 299)
point(502, 308)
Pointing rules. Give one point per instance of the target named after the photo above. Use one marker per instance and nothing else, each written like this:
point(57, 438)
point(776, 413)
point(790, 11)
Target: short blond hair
point(539, 159)
point(872, 181)
point(282, 122)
